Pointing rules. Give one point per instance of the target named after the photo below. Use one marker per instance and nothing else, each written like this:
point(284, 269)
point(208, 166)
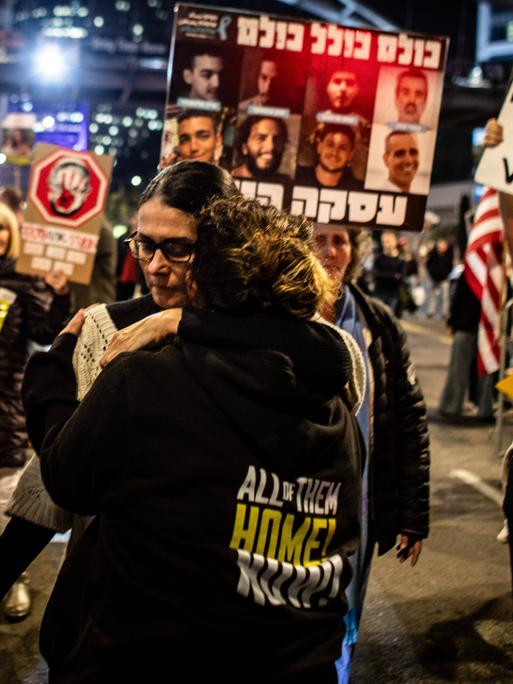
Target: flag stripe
point(484, 274)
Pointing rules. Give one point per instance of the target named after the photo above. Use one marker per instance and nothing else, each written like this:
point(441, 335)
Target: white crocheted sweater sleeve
point(30, 499)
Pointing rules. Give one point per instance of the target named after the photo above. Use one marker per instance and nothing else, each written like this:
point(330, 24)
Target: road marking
point(421, 330)
point(474, 481)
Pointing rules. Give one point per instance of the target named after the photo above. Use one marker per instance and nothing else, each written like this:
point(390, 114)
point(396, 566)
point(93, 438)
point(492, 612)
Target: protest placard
point(495, 168)
point(337, 123)
point(66, 201)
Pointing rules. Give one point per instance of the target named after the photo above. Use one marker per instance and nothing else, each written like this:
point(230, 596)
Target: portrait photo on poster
point(274, 79)
point(341, 86)
point(266, 147)
point(17, 144)
point(196, 134)
point(408, 98)
point(204, 76)
point(400, 161)
point(325, 156)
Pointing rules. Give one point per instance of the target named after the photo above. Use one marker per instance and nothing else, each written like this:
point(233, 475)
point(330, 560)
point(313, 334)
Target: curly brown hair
point(250, 256)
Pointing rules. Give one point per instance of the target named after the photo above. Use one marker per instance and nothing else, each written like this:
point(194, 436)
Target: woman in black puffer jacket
point(30, 309)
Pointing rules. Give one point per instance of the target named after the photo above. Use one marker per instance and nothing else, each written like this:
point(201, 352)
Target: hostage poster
point(333, 122)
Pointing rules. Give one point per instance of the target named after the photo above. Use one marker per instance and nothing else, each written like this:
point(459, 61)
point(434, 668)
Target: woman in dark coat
point(222, 470)
point(30, 309)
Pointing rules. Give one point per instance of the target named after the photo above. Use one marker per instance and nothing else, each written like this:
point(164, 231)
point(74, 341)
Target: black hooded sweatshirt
point(224, 474)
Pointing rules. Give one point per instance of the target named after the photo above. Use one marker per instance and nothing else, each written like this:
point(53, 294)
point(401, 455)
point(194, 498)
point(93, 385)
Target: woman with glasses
point(222, 469)
point(30, 309)
point(166, 218)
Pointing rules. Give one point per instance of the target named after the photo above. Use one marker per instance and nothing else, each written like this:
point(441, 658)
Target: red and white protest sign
point(66, 200)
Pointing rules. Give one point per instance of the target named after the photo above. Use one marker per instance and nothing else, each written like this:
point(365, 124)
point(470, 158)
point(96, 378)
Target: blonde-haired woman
point(30, 309)
point(223, 471)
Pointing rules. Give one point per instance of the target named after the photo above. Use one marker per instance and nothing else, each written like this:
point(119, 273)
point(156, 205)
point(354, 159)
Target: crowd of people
point(255, 427)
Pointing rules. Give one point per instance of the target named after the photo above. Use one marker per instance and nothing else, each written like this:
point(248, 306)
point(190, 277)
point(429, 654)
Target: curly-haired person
point(222, 552)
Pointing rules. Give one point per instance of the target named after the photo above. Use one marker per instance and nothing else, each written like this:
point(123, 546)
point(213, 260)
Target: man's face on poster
point(342, 89)
point(402, 159)
point(68, 187)
point(264, 147)
point(204, 77)
point(335, 151)
point(411, 98)
point(266, 79)
point(198, 138)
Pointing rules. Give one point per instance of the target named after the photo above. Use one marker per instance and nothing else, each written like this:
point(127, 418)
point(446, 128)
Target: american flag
point(485, 275)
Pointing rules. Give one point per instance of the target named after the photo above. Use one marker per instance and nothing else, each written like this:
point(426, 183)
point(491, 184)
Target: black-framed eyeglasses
point(173, 249)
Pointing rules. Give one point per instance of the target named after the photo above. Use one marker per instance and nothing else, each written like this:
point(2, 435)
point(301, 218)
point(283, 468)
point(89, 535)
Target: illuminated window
point(63, 11)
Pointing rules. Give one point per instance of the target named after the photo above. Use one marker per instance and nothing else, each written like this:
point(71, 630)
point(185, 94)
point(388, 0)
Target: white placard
point(495, 168)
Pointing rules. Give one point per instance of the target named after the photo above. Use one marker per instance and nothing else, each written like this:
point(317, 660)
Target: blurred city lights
point(50, 62)
point(3, 158)
point(48, 121)
point(136, 180)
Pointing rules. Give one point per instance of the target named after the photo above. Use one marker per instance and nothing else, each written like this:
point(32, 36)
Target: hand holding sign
point(58, 281)
point(496, 166)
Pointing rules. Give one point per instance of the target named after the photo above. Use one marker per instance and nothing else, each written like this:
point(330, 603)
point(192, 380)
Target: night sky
point(453, 18)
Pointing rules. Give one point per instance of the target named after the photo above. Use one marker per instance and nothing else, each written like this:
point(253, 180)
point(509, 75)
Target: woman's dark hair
point(250, 256)
point(189, 185)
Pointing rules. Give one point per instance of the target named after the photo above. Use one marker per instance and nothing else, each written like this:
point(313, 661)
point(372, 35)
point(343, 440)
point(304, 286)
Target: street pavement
point(449, 619)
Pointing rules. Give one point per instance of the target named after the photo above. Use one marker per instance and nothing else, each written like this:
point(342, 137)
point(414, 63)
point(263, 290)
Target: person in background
point(389, 272)
point(13, 198)
point(410, 285)
point(102, 287)
point(129, 275)
point(463, 323)
point(439, 264)
point(392, 420)
point(35, 309)
point(252, 392)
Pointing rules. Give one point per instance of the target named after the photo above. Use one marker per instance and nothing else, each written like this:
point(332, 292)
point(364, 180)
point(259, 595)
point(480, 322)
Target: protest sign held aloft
point(337, 123)
point(66, 200)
